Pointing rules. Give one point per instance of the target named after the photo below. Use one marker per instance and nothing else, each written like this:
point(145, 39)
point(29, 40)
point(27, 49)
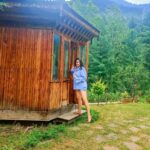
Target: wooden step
point(67, 117)
point(70, 115)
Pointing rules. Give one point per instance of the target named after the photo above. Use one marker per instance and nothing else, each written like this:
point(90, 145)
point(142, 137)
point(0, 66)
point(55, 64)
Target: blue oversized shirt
point(79, 78)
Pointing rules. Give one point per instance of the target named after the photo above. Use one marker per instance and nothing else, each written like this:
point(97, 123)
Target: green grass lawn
point(120, 126)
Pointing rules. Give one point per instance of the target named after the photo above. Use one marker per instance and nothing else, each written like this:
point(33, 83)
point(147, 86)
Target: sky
point(139, 1)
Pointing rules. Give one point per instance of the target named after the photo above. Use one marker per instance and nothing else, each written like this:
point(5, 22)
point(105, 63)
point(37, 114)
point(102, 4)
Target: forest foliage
point(120, 57)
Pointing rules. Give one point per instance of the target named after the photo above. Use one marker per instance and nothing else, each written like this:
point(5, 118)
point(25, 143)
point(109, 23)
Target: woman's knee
point(78, 96)
point(84, 94)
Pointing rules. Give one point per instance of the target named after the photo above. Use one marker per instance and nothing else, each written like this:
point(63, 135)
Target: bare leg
point(84, 98)
point(78, 96)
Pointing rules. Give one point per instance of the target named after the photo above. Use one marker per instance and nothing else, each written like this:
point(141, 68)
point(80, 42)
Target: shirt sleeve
point(83, 76)
point(72, 71)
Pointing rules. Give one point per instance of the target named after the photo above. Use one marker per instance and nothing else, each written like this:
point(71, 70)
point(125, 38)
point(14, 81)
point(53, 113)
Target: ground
point(120, 127)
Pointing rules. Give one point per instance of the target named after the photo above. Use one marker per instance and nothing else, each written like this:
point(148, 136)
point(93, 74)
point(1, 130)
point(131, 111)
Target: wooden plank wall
point(25, 68)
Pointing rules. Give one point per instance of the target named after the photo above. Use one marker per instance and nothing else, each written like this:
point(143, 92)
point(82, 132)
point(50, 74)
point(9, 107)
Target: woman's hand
point(72, 67)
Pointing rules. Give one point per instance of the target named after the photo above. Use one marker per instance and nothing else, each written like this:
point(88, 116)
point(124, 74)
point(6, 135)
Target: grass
point(114, 118)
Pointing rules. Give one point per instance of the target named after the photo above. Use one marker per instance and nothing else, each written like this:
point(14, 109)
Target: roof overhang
point(47, 14)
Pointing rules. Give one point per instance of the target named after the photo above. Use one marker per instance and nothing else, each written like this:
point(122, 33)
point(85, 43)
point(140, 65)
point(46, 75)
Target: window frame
point(58, 67)
point(69, 54)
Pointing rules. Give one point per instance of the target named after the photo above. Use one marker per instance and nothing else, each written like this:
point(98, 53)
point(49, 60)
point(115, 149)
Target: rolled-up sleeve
point(72, 71)
point(83, 75)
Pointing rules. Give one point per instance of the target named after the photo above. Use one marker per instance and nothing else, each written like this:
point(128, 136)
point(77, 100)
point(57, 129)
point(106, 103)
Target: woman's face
point(77, 63)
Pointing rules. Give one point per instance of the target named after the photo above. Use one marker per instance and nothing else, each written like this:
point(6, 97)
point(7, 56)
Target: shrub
point(98, 89)
point(125, 94)
point(145, 97)
point(92, 97)
point(115, 96)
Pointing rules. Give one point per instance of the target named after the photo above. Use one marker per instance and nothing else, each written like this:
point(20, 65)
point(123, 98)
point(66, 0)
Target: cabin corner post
point(52, 55)
point(61, 68)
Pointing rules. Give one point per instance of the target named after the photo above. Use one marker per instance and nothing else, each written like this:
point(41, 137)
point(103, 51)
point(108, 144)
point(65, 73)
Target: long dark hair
point(81, 63)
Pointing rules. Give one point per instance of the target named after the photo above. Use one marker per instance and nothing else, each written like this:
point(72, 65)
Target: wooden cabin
point(39, 40)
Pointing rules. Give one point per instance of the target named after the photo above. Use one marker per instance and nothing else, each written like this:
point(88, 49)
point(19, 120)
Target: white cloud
point(139, 1)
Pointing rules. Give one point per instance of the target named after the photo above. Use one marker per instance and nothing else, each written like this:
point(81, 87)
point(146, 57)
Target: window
point(73, 52)
point(82, 54)
point(66, 58)
point(56, 56)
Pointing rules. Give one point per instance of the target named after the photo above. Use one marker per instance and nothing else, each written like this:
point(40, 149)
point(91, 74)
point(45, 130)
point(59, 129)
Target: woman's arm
point(72, 70)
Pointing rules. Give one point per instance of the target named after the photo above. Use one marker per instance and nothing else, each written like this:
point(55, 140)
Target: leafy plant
point(125, 94)
point(98, 88)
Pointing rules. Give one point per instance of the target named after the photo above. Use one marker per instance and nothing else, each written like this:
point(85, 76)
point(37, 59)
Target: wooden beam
point(80, 22)
point(74, 31)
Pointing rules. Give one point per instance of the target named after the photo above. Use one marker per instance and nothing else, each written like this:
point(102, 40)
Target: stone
point(134, 129)
point(100, 138)
point(128, 121)
point(132, 146)
point(112, 125)
point(120, 123)
point(124, 131)
point(89, 132)
point(112, 136)
point(99, 127)
point(107, 147)
point(141, 119)
point(145, 136)
point(142, 126)
point(134, 138)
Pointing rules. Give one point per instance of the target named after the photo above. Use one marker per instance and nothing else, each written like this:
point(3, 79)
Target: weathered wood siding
point(26, 62)
point(25, 68)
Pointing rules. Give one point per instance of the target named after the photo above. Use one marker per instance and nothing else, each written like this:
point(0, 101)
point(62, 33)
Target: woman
point(80, 86)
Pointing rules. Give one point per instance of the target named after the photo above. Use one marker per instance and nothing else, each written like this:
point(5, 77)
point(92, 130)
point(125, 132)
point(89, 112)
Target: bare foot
point(77, 113)
point(89, 119)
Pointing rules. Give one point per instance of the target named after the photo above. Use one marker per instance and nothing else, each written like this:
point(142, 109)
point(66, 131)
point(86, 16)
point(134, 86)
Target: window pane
point(66, 54)
point(56, 56)
point(83, 54)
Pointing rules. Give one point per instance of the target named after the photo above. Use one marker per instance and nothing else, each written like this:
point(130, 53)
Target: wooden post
point(61, 68)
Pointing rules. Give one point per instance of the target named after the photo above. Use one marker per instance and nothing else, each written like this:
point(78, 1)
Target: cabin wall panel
point(55, 96)
point(25, 57)
point(26, 70)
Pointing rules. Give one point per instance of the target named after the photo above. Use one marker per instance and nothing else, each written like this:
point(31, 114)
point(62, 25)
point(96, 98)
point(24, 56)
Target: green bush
point(97, 90)
point(145, 97)
point(125, 94)
point(92, 97)
point(106, 97)
point(115, 97)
